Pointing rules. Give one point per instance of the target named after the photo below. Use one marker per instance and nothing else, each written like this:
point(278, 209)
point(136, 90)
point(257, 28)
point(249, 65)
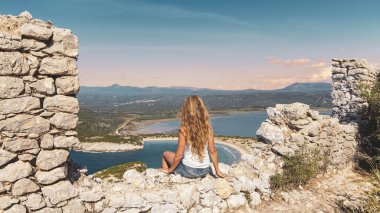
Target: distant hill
point(152, 100)
point(130, 91)
point(310, 87)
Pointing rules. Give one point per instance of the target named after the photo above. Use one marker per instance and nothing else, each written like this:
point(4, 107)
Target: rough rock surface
point(61, 103)
point(24, 186)
point(38, 79)
point(35, 201)
point(19, 144)
point(27, 124)
point(10, 87)
point(19, 105)
point(52, 176)
point(322, 195)
point(49, 159)
point(6, 157)
point(298, 127)
point(347, 77)
point(15, 171)
point(59, 192)
point(270, 133)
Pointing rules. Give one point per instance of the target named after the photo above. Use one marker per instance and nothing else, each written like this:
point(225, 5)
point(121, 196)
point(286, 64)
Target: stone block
point(19, 105)
point(10, 87)
point(27, 124)
point(13, 63)
point(67, 85)
point(59, 192)
point(49, 159)
point(52, 176)
point(57, 66)
point(36, 31)
point(19, 144)
point(15, 171)
point(64, 121)
point(61, 103)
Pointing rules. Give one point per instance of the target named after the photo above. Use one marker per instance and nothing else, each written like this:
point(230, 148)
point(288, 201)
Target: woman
point(195, 139)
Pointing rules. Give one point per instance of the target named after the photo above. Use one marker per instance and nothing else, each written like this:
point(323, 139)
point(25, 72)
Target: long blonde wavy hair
point(195, 124)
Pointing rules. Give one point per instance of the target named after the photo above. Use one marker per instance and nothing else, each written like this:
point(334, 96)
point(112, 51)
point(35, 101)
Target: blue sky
point(219, 44)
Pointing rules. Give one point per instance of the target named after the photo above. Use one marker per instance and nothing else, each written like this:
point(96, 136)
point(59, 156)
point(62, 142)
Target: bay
point(151, 155)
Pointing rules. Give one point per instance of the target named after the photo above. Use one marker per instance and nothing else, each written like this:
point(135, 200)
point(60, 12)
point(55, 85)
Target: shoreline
point(140, 125)
point(99, 147)
point(144, 123)
point(241, 149)
point(106, 147)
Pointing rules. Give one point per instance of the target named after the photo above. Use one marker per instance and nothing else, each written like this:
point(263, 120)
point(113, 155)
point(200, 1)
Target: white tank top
point(191, 160)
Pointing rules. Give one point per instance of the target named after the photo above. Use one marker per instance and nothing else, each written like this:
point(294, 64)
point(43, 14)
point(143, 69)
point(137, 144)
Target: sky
point(219, 44)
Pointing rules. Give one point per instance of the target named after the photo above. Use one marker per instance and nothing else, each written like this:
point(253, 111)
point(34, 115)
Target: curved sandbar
point(241, 149)
point(106, 147)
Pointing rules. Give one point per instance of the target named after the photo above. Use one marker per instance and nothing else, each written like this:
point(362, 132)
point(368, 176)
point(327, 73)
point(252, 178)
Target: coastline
point(241, 149)
point(97, 147)
point(143, 123)
point(106, 147)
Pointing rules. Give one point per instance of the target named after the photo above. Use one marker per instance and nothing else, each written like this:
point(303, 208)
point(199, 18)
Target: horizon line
point(200, 88)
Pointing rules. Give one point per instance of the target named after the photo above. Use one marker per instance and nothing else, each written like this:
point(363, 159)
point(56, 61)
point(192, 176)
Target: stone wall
point(290, 127)
point(38, 113)
point(347, 78)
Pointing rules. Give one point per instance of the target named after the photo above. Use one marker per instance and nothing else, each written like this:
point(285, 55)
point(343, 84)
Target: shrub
point(298, 169)
point(370, 127)
point(370, 156)
point(118, 170)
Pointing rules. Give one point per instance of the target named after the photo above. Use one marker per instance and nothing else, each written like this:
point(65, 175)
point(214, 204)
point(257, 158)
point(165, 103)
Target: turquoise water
point(151, 155)
point(242, 124)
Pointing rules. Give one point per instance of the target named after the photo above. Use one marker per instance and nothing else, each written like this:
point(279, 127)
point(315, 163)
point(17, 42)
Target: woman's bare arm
point(179, 153)
point(214, 155)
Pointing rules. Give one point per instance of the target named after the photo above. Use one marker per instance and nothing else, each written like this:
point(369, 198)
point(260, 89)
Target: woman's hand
point(167, 171)
point(220, 174)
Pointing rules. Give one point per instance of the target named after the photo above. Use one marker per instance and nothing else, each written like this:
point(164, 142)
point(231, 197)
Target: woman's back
point(191, 160)
point(195, 141)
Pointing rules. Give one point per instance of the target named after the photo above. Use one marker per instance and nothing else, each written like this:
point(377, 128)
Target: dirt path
point(322, 195)
point(121, 126)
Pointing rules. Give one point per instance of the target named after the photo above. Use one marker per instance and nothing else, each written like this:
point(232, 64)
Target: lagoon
point(243, 124)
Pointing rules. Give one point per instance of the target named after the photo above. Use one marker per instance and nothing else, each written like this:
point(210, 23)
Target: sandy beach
point(238, 147)
point(105, 147)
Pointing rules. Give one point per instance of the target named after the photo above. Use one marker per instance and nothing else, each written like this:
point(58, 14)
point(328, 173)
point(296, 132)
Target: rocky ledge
point(245, 186)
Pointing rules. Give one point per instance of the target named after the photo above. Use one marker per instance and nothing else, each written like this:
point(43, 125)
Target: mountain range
point(153, 90)
point(156, 100)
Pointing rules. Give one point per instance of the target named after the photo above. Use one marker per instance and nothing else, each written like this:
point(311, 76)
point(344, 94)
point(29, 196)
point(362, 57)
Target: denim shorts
point(190, 172)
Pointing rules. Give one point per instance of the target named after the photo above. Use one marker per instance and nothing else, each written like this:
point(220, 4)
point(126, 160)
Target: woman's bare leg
point(167, 159)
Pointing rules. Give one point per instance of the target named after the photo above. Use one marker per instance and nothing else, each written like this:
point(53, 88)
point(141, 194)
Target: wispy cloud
point(323, 75)
point(289, 62)
point(318, 65)
point(160, 10)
